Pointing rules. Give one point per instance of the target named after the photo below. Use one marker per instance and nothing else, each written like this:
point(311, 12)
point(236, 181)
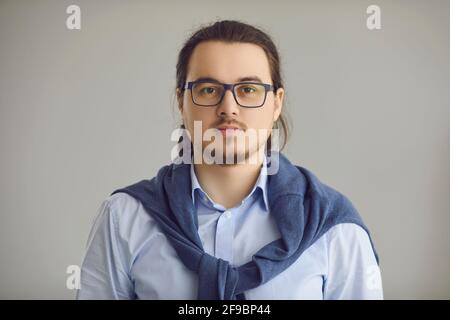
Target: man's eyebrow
point(251, 78)
point(243, 79)
point(206, 79)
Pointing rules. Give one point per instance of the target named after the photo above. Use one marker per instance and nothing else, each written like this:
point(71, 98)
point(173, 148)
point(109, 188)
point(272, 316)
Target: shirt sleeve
point(353, 272)
point(103, 275)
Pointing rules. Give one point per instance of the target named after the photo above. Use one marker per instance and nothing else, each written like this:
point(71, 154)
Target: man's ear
point(278, 103)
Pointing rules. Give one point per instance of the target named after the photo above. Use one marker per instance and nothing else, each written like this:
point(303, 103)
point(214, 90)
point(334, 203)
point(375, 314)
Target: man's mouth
point(227, 131)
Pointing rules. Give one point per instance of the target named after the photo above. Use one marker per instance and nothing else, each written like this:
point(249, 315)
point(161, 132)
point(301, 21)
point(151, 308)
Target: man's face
point(229, 63)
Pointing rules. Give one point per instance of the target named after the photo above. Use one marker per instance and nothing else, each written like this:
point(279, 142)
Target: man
point(217, 229)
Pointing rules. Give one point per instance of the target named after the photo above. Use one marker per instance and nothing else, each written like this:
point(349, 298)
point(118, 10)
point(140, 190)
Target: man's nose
point(228, 106)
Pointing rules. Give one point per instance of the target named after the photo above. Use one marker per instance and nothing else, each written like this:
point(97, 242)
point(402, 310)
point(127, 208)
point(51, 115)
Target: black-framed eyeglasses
point(207, 93)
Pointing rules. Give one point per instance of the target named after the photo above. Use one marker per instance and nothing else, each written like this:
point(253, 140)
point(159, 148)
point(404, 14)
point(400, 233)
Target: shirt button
point(227, 214)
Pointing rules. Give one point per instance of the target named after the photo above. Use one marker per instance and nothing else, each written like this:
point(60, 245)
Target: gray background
point(85, 112)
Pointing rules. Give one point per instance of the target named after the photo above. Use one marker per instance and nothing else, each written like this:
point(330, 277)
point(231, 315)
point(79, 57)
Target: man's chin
point(233, 158)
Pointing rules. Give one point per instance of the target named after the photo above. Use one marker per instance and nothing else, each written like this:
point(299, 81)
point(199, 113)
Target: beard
point(233, 153)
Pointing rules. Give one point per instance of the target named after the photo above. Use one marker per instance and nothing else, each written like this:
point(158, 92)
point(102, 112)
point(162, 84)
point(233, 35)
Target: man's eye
point(208, 90)
point(248, 89)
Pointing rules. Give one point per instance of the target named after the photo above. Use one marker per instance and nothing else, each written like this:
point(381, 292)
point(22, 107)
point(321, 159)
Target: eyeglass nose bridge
point(226, 87)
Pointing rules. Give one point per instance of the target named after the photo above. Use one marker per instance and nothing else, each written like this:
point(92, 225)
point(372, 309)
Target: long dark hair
point(235, 31)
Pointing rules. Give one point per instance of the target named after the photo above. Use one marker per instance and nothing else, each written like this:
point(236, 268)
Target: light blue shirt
point(129, 257)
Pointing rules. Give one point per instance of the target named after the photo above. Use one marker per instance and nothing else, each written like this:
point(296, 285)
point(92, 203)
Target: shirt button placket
point(224, 237)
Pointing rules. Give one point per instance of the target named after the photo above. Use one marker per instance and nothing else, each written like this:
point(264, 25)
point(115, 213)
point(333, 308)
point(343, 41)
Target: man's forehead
point(225, 62)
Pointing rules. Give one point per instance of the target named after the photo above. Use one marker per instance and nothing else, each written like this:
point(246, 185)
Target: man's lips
point(228, 130)
point(227, 127)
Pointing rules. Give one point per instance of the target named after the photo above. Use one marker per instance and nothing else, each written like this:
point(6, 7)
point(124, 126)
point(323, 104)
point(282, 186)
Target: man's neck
point(227, 184)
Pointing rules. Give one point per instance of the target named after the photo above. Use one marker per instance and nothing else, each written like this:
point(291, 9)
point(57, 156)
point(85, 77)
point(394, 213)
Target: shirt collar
point(261, 183)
